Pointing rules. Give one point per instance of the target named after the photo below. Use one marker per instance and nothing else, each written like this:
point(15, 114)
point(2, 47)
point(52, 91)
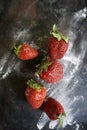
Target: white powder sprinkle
point(65, 89)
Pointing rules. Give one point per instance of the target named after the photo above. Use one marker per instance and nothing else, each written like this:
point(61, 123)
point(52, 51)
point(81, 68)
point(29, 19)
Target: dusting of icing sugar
point(24, 36)
point(77, 127)
point(21, 35)
point(7, 64)
point(34, 45)
point(42, 121)
point(81, 14)
point(71, 64)
point(66, 95)
point(3, 68)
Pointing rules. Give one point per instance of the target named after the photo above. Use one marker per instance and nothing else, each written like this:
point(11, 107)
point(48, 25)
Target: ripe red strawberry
point(25, 52)
point(54, 110)
point(49, 71)
point(35, 94)
point(57, 44)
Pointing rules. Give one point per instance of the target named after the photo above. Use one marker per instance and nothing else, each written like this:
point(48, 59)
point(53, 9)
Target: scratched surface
point(30, 21)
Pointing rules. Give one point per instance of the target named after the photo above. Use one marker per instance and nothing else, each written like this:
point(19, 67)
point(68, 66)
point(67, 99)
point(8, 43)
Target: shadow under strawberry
point(17, 85)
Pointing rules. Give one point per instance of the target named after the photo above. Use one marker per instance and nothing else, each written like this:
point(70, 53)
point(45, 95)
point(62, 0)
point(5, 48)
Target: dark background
point(16, 16)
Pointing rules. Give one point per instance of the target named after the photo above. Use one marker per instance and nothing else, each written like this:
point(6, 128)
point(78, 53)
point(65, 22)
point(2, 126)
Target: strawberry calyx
point(55, 33)
point(17, 49)
point(43, 66)
point(60, 119)
point(33, 84)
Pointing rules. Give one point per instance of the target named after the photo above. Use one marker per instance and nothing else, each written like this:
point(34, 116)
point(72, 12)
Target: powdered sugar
point(64, 91)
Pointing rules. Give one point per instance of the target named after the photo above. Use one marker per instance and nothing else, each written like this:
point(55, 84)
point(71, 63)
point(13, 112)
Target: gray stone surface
point(26, 21)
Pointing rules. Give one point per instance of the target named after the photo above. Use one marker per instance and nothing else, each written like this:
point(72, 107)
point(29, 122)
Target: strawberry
point(35, 93)
point(57, 44)
point(25, 52)
point(54, 109)
point(50, 71)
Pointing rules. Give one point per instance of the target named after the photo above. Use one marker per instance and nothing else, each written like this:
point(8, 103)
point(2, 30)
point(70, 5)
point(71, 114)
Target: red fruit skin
point(56, 49)
point(53, 108)
point(35, 98)
point(53, 74)
point(27, 52)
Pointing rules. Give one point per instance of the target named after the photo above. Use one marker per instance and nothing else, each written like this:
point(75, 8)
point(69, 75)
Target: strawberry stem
point(55, 28)
point(33, 84)
point(64, 114)
point(60, 119)
point(43, 66)
point(55, 33)
point(17, 49)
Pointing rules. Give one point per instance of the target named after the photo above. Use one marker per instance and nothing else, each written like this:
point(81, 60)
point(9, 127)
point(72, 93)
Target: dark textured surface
point(36, 16)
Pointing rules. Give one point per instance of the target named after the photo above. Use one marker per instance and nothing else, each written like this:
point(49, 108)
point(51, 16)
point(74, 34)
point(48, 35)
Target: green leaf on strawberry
point(43, 66)
point(55, 33)
point(33, 84)
point(55, 28)
point(60, 119)
point(17, 49)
